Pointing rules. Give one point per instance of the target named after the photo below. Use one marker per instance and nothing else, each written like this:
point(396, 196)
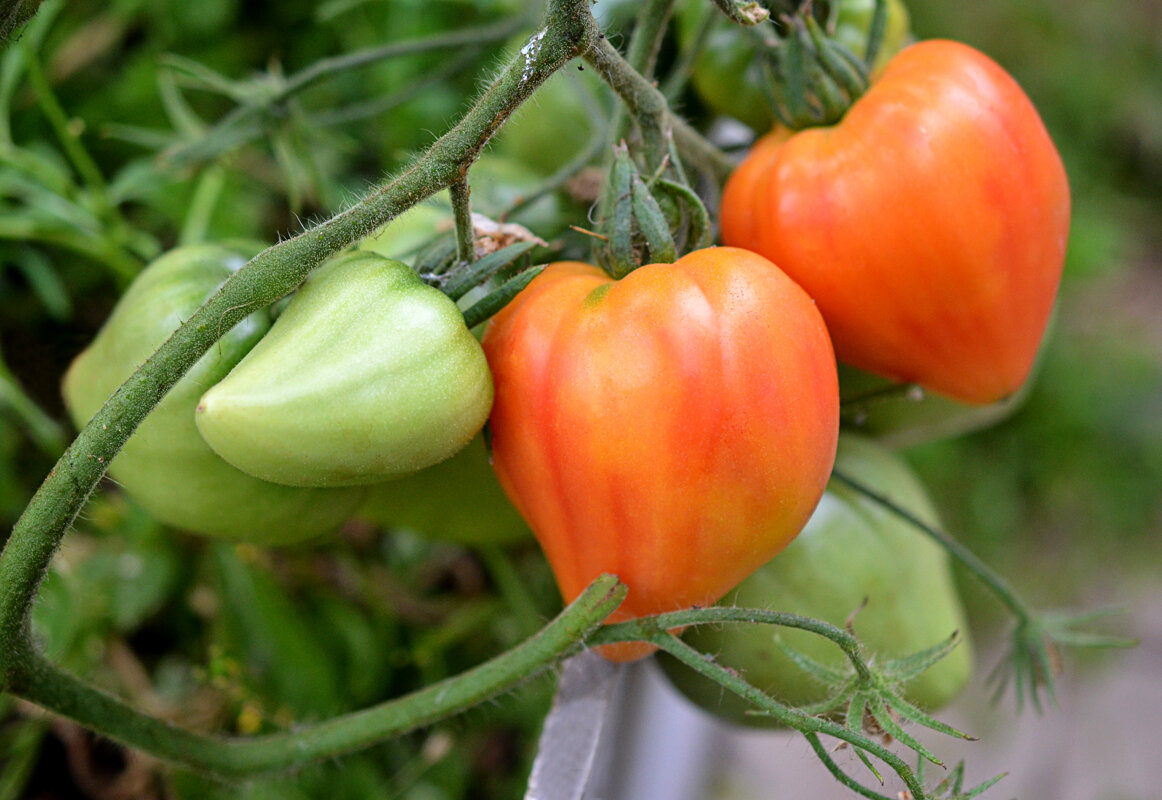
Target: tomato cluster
point(366, 374)
point(678, 426)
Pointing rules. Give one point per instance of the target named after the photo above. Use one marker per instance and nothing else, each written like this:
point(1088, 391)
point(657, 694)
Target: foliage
point(128, 128)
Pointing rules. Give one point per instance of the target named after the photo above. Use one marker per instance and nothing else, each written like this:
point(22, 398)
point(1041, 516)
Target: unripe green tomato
point(458, 500)
point(899, 417)
point(852, 549)
point(854, 22)
point(368, 374)
point(165, 465)
point(726, 75)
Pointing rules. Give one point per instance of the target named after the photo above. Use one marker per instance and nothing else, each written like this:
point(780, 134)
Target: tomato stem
point(460, 192)
point(641, 628)
point(51, 687)
point(999, 586)
point(806, 724)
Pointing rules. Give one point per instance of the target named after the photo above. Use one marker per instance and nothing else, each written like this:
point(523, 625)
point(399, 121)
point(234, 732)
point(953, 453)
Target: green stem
point(641, 57)
point(268, 277)
point(647, 627)
point(791, 717)
point(645, 103)
point(462, 212)
point(999, 586)
point(839, 774)
point(49, 686)
point(648, 34)
point(649, 107)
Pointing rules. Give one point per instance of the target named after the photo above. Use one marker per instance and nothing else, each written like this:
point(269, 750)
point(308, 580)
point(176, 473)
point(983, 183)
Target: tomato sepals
point(647, 220)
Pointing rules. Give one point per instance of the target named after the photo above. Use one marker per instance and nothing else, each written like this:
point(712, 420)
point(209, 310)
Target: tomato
point(368, 374)
point(165, 465)
point(929, 224)
point(853, 23)
point(458, 500)
point(675, 427)
point(898, 417)
point(852, 550)
point(726, 73)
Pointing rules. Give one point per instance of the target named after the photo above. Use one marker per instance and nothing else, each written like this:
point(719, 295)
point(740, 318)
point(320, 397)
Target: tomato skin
point(675, 428)
point(368, 375)
point(929, 224)
point(852, 549)
point(165, 466)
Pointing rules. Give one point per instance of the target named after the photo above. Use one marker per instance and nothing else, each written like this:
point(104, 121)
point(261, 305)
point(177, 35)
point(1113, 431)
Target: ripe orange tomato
point(929, 224)
point(676, 427)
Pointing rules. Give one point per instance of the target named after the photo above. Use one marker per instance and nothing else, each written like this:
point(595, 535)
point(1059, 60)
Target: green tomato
point(854, 19)
point(726, 71)
point(367, 375)
point(898, 417)
point(165, 466)
point(852, 549)
point(458, 500)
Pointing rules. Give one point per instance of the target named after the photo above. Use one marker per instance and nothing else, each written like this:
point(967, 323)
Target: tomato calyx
point(811, 76)
point(650, 220)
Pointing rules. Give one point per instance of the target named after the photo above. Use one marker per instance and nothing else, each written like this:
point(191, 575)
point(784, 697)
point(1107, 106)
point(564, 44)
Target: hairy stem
point(647, 627)
point(649, 108)
point(230, 757)
point(804, 723)
point(462, 211)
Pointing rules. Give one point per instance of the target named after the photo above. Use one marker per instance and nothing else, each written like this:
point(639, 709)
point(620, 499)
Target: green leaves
point(1034, 658)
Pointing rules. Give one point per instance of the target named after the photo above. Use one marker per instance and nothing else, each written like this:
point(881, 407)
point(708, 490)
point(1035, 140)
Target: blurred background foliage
point(112, 151)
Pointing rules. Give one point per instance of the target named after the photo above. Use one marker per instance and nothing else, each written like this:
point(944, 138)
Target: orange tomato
point(929, 224)
point(676, 427)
